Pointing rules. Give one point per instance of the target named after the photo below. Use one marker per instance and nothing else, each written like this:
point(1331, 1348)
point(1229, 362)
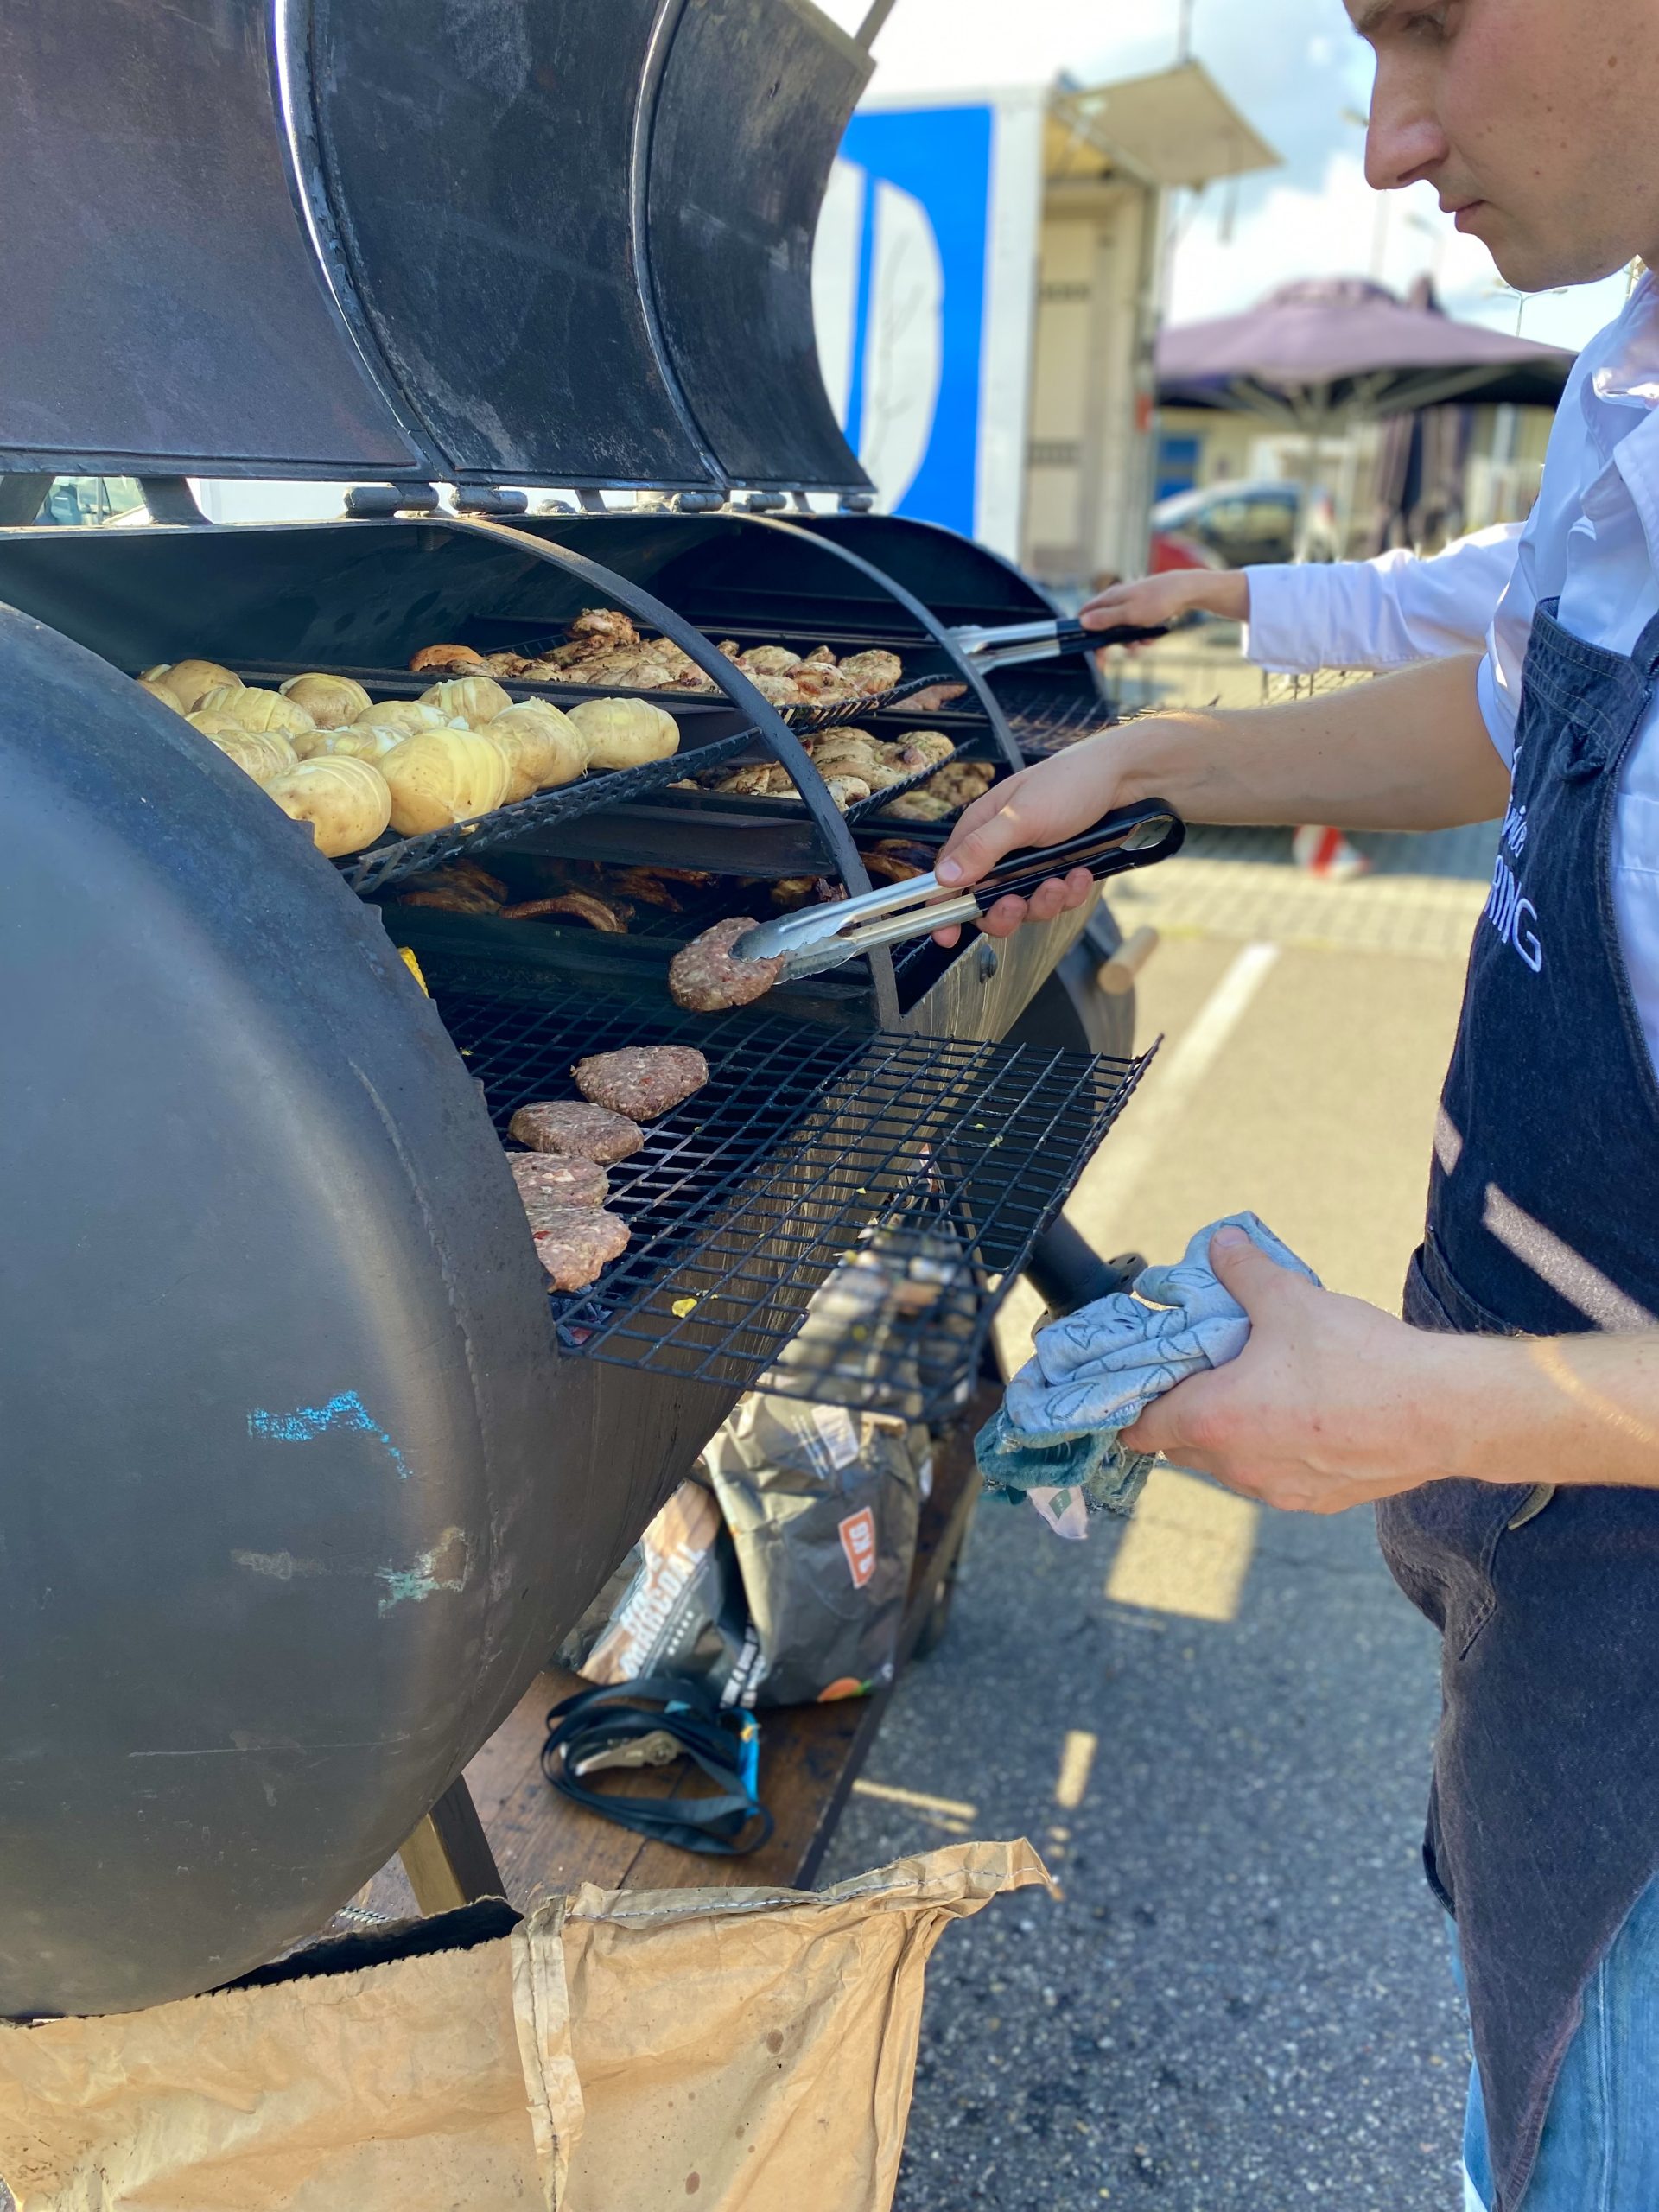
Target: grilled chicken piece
point(935, 699)
point(821, 657)
point(765, 779)
point(962, 782)
point(847, 791)
point(791, 893)
point(450, 898)
point(642, 884)
point(769, 660)
point(918, 806)
point(608, 916)
point(931, 745)
point(873, 672)
point(507, 664)
point(459, 660)
point(604, 624)
point(462, 889)
point(887, 867)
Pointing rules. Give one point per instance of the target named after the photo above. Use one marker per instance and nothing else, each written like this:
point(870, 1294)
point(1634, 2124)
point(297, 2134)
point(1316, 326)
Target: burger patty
point(571, 1126)
point(575, 1244)
point(546, 1179)
point(704, 977)
point(642, 1081)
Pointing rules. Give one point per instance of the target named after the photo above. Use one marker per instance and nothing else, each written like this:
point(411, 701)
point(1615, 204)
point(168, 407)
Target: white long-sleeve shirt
point(1381, 613)
point(1594, 543)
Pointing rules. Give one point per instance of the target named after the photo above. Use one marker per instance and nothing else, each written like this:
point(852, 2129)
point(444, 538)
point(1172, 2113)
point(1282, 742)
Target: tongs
point(823, 938)
point(1011, 644)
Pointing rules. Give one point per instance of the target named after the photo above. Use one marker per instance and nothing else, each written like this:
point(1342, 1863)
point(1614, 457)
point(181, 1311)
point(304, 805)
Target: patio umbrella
point(1325, 354)
point(1329, 347)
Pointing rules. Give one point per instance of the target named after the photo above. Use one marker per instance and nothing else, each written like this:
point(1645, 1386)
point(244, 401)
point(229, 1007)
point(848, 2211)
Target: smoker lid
point(475, 240)
point(166, 310)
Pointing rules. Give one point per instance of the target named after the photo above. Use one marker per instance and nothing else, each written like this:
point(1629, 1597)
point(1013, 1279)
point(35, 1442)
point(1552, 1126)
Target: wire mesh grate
point(1045, 718)
point(384, 865)
point(838, 1212)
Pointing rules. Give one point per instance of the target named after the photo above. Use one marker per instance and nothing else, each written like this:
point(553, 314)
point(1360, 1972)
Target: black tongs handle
point(1129, 837)
point(1070, 637)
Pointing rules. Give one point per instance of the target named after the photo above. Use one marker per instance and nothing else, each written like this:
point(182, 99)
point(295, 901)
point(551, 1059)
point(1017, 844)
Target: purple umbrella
point(1339, 347)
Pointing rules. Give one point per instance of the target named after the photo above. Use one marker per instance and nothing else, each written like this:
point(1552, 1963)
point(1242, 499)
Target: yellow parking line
point(1187, 1550)
point(1076, 1761)
point(943, 1809)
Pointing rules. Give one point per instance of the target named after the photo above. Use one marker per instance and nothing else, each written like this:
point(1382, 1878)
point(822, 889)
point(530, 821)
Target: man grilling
point(1508, 1428)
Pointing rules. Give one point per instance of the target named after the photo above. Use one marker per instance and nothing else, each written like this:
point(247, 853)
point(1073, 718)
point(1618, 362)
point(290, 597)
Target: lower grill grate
point(838, 1212)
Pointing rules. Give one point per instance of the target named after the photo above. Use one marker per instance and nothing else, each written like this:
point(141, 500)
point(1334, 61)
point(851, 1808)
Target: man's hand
point(1154, 602)
point(1332, 1403)
point(1043, 805)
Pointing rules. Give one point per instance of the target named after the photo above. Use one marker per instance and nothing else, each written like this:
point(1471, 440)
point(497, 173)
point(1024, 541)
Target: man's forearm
point(1571, 1410)
point(1405, 752)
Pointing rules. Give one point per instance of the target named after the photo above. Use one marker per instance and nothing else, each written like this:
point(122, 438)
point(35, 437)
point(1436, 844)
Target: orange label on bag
point(858, 1541)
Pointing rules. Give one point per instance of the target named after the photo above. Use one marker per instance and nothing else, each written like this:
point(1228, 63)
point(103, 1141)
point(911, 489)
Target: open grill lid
point(564, 242)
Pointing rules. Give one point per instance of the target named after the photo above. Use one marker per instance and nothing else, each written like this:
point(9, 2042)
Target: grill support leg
point(1067, 1273)
point(447, 1859)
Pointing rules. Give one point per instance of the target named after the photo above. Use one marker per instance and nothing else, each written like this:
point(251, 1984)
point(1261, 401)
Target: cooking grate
point(838, 1212)
point(1045, 720)
point(384, 865)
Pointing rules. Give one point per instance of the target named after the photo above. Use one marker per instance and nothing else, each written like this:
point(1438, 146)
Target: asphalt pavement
point(1217, 1726)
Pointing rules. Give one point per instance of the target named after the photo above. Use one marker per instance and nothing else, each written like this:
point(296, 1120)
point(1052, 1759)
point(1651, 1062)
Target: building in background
point(989, 276)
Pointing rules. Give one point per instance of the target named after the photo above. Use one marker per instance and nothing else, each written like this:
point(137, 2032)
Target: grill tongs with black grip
point(824, 937)
point(1010, 644)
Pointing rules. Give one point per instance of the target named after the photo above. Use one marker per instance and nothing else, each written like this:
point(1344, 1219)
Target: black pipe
point(1068, 1273)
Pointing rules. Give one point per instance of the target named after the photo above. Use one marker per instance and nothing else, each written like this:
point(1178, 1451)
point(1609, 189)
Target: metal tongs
point(1011, 644)
point(824, 937)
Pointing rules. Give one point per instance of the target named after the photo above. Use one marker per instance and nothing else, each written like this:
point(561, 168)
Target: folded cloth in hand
point(1096, 1372)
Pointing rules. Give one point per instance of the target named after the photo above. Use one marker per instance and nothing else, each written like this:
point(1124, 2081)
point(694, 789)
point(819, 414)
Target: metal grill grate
point(839, 1212)
point(384, 865)
point(1045, 720)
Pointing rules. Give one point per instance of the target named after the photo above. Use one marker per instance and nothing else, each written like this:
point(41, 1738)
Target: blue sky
point(1296, 71)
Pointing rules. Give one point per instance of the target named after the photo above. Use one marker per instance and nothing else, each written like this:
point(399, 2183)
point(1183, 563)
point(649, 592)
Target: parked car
point(1247, 524)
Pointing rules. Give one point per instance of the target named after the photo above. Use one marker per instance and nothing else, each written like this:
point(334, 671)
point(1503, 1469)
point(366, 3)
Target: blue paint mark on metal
point(306, 1423)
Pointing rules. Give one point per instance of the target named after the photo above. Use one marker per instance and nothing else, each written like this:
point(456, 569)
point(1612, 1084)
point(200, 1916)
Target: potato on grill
point(544, 747)
point(626, 732)
point(345, 802)
point(190, 681)
point(408, 717)
point(259, 753)
point(331, 700)
point(475, 700)
point(442, 777)
point(362, 740)
point(157, 689)
point(251, 708)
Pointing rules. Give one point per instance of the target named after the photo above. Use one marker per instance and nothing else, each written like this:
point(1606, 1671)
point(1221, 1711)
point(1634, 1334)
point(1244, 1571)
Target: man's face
point(1534, 120)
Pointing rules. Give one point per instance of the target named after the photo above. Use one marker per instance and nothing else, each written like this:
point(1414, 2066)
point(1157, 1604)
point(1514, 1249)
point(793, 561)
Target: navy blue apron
point(1543, 1219)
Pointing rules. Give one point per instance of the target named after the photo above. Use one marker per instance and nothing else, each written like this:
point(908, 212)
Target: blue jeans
point(1600, 2147)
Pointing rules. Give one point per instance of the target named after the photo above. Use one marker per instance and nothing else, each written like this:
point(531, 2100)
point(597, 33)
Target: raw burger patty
point(558, 1179)
point(705, 978)
point(644, 1081)
point(575, 1244)
point(571, 1127)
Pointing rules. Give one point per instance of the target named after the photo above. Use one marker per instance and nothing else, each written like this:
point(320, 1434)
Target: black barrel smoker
point(304, 1472)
